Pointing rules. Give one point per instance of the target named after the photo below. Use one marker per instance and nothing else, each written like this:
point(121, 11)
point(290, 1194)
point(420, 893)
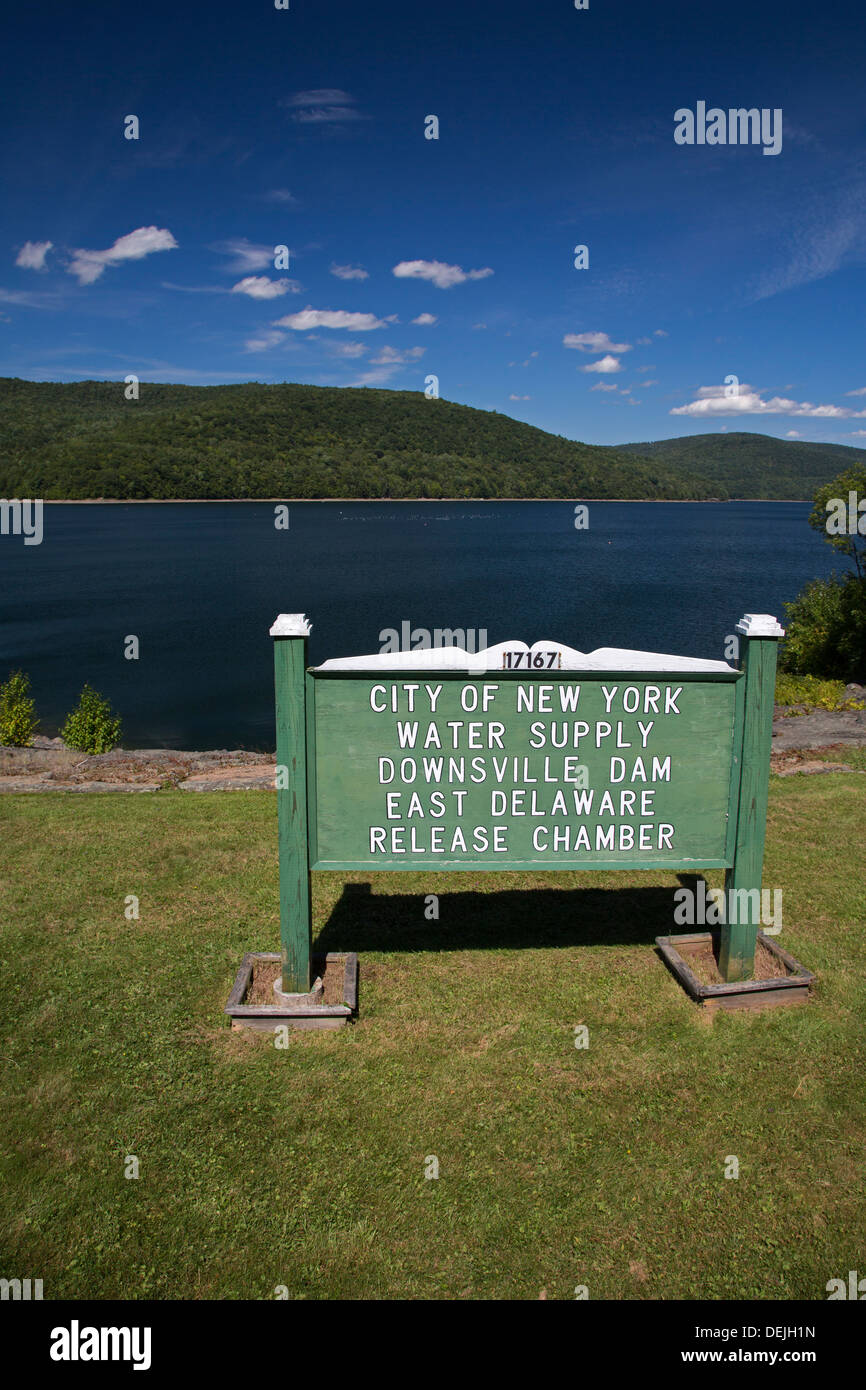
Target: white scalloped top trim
point(568, 659)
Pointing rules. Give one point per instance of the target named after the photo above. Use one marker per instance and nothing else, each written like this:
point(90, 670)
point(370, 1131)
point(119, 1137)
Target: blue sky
point(453, 257)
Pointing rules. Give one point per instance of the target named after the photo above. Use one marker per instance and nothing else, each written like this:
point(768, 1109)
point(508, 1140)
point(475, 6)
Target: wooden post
point(290, 632)
point(761, 634)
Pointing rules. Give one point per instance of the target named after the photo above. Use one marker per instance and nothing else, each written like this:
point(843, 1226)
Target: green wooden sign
point(540, 758)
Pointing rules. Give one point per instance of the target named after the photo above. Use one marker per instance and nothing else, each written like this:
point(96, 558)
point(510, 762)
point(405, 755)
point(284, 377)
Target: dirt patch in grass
point(703, 963)
point(833, 757)
point(265, 972)
point(261, 989)
point(333, 982)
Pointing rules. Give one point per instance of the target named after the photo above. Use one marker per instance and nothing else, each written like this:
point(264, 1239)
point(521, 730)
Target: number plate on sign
point(532, 660)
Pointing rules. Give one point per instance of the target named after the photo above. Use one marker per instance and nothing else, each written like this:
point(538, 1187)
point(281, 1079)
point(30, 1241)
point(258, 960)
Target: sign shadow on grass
point(506, 919)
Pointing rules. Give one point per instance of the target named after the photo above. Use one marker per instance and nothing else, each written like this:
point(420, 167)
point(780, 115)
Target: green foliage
point(18, 721)
point(830, 516)
point(826, 630)
point(827, 622)
point(91, 727)
point(82, 440)
point(753, 465)
point(815, 693)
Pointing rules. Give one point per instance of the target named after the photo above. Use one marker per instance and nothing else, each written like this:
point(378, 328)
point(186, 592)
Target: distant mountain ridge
point(83, 440)
point(753, 465)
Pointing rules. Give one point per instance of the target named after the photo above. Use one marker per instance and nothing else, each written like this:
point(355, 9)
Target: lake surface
point(200, 584)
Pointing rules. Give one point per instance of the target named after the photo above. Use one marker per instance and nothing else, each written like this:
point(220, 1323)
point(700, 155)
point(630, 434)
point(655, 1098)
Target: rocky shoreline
point(50, 766)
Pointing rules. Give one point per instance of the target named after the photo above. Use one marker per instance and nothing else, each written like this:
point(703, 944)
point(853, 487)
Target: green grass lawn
point(304, 1167)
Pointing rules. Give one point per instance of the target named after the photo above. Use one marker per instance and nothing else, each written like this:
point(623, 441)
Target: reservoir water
point(199, 584)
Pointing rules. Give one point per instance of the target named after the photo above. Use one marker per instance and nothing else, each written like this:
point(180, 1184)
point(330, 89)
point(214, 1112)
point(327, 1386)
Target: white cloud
point(390, 354)
point(350, 272)
point(270, 338)
point(320, 96)
point(327, 115)
point(856, 434)
point(195, 289)
point(32, 255)
point(260, 287)
point(348, 349)
point(660, 333)
point(793, 434)
point(861, 391)
point(330, 318)
point(604, 386)
point(512, 397)
point(425, 320)
point(280, 195)
point(593, 342)
point(605, 364)
point(439, 273)
point(89, 265)
point(246, 255)
point(31, 299)
point(711, 401)
point(377, 377)
point(323, 106)
point(820, 241)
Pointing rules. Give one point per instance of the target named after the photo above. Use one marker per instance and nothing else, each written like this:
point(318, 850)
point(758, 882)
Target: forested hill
point(84, 440)
point(752, 465)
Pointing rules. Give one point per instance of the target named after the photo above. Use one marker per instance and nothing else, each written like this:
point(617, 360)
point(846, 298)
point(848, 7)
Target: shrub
point(91, 727)
point(826, 630)
point(18, 721)
point(825, 516)
point(817, 694)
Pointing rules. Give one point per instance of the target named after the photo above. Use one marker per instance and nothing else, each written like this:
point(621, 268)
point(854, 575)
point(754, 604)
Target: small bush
point(18, 721)
point(91, 727)
point(817, 694)
point(826, 630)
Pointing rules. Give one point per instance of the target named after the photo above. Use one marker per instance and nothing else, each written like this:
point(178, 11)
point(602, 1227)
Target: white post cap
point(291, 625)
point(759, 625)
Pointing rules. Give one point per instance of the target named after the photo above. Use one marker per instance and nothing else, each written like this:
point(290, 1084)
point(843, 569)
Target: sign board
point(533, 758)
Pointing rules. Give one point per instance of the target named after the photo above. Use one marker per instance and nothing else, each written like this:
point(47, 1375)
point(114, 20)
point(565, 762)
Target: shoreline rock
point(50, 766)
